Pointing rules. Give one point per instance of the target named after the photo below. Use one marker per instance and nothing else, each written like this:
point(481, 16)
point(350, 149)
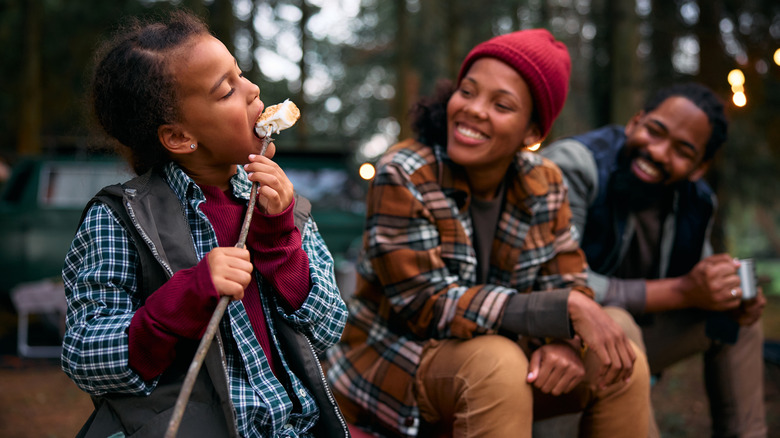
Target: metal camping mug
point(747, 278)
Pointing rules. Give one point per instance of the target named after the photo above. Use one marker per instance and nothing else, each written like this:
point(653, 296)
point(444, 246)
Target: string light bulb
point(737, 81)
point(367, 171)
point(739, 99)
point(736, 78)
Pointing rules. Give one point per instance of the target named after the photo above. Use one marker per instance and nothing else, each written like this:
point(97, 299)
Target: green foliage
point(768, 272)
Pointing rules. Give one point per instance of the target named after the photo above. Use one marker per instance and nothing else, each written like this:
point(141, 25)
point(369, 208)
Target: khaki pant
point(733, 374)
point(477, 388)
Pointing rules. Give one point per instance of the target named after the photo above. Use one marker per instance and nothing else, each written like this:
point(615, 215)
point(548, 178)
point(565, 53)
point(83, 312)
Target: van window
point(328, 188)
point(73, 184)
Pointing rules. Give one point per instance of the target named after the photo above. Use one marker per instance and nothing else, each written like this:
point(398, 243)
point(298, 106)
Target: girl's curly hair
point(132, 90)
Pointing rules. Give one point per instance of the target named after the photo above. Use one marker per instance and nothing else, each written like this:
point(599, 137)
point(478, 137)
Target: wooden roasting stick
point(274, 119)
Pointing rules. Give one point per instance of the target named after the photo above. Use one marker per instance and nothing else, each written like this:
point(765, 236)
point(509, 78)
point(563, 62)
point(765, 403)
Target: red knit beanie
point(543, 63)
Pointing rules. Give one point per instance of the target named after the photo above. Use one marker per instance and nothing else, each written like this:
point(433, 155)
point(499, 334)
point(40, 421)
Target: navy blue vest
point(606, 221)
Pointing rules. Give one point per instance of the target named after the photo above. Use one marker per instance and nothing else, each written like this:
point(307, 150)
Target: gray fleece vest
point(164, 243)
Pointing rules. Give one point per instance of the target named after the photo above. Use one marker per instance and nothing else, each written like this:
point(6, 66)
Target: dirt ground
point(38, 400)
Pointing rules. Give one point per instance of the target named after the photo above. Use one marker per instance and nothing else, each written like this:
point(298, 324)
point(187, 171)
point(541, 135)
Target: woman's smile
point(463, 130)
point(489, 116)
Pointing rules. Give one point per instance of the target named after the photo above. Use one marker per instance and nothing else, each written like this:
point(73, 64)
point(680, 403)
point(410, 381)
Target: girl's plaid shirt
point(101, 290)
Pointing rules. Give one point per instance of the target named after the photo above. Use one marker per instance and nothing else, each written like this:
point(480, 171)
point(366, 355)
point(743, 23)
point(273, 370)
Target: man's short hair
point(707, 101)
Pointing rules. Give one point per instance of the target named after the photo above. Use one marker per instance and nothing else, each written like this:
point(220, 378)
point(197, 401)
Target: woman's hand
point(231, 270)
point(275, 190)
point(555, 368)
point(604, 338)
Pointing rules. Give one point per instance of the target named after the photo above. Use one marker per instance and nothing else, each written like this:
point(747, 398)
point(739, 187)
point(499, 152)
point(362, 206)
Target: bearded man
point(643, 215)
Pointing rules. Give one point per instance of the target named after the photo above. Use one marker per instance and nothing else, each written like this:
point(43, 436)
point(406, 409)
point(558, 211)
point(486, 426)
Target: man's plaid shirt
point(102, 294)
point(418, 271)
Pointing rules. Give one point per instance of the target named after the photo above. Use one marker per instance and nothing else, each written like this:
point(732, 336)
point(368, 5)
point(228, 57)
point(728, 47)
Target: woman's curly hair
point(429, 115)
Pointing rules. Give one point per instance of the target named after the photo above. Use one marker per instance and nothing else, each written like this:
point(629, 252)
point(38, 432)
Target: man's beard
point(631, 192)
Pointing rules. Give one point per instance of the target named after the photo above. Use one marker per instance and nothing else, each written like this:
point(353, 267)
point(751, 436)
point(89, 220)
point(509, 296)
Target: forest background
point(355, 67)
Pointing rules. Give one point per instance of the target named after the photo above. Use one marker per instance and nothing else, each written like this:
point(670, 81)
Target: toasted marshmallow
point(277, 117)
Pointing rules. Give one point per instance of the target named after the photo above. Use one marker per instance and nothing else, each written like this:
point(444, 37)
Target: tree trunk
point(712, 72)
point(454, 36)
point(223, 22)
point(30, 120)
point(196, 6)
point(626, 72)
point(303, 137)
point(254, 69)
point(665, 27)
point(601, 62)
point(403, 69)
point(713, 61)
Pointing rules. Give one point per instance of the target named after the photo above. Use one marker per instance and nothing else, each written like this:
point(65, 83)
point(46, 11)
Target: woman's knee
point(627, 323)
point(466, 379)
point(481, 360)
point(641, 372)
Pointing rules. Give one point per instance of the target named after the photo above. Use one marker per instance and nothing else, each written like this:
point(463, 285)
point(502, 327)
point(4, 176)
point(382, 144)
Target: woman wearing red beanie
point(472, 316)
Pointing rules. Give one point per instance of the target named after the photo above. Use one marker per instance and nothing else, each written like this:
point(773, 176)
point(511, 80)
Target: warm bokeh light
point(367, 171)
point(739, 99)
point(777, 57)
point(736, 77)
point(737, 89)
point(534, 147)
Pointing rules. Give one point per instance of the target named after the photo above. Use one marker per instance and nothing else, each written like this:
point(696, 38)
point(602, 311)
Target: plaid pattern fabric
point(418, 271)
point(102, 294)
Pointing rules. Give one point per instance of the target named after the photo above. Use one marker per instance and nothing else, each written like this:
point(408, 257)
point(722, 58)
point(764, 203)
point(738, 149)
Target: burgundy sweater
point(182, 307)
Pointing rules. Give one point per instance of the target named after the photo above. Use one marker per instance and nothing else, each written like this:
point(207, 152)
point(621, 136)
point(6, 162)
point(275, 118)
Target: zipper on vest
point(324, 382)
point(144, 236)
point(218, 338)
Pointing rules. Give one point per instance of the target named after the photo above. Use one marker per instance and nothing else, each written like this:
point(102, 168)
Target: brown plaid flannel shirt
point(418, 272)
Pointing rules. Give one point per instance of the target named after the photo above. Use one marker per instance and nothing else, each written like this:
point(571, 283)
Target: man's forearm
point(664, 294)
point(639, 296)
point(626, 294)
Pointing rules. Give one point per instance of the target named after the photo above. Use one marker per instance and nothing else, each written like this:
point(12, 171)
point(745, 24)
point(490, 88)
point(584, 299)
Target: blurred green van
point(42, 201)
point(40, 207)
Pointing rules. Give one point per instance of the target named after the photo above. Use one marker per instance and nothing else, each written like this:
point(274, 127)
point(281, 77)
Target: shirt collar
point(520, 180)
point(185, 187)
